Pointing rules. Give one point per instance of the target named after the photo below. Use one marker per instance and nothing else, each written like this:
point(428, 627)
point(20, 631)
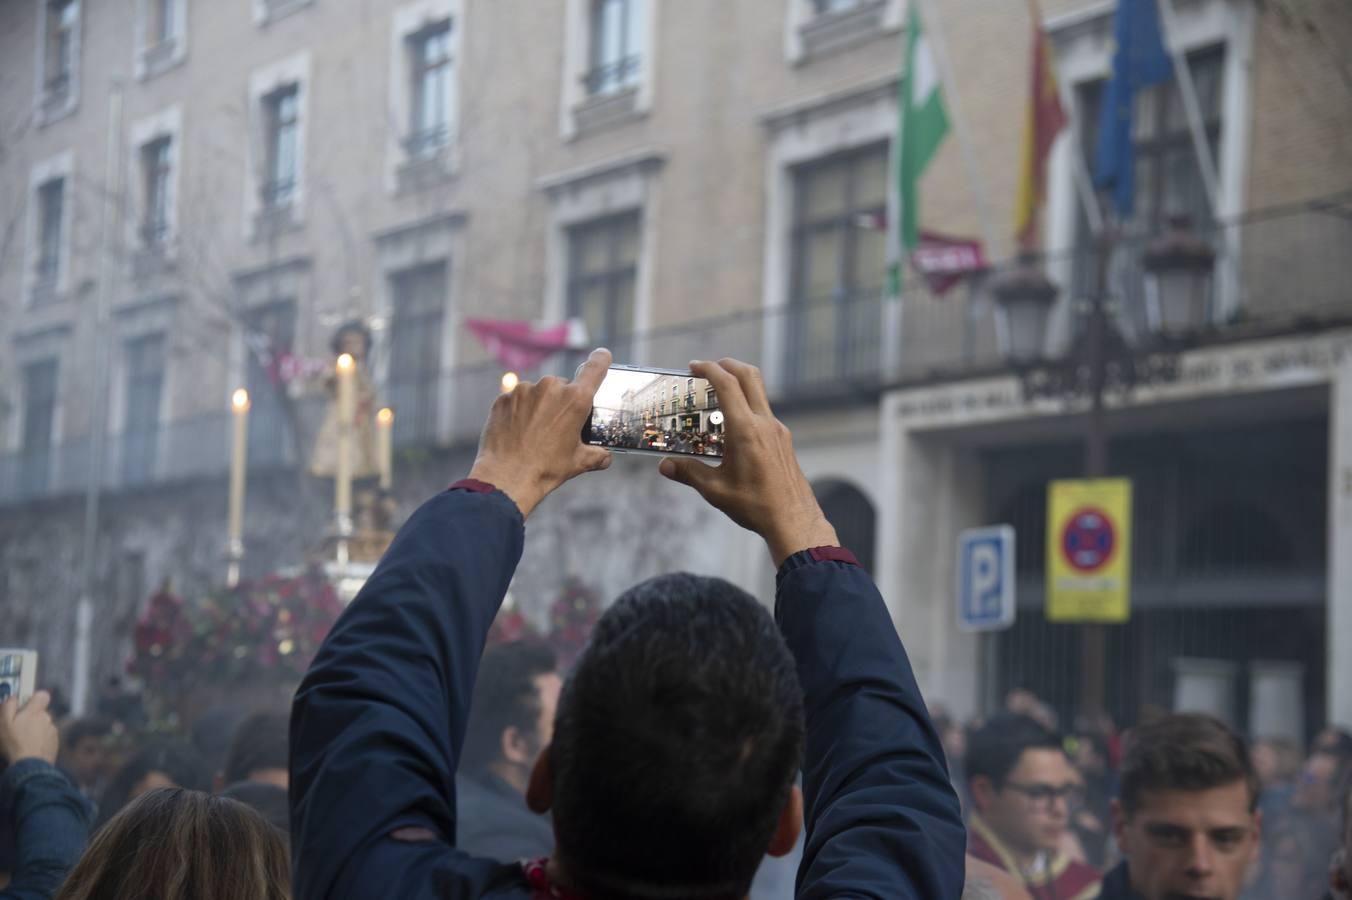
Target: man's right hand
point(759, 485)
point(28, 732)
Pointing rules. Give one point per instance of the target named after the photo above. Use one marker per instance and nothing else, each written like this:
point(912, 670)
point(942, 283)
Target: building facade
point(194, 196)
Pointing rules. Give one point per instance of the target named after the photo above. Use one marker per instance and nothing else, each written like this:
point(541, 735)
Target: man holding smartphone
point(679, 734)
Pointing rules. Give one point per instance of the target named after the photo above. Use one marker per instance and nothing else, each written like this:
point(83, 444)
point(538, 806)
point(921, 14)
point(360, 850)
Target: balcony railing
point(1289, 273)
point(612, 76)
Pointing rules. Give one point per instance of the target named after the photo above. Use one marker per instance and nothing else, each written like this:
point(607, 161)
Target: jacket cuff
point(813, 556)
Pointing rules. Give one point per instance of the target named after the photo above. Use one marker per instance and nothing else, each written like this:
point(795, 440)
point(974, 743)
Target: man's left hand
point(532, 443)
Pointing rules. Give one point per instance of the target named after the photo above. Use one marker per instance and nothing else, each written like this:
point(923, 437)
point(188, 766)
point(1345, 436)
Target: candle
point(385, 446)
point(239, 405)
point(509, 382)
point(347, 409)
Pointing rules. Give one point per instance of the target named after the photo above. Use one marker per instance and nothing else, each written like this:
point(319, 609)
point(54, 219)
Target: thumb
point(592, 459)
point(38, 702)
point(688, 471)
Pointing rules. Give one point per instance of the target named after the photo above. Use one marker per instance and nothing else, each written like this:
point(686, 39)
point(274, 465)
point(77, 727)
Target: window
point(419, 299)
point(270, 336)
point(51, 209)
point(602, 278)
point(1168, 177)
point(39, 416)
point(156, 163)
point(839, 265)
point(614, 46)
point(162, 25)
point(430, 51)
point(711, 399)
point(62, 18)
point(145, 358)
point(281, 110)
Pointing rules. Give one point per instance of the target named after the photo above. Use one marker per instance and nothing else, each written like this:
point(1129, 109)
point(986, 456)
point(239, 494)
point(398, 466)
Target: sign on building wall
point(1089, 550)
point(986, 579)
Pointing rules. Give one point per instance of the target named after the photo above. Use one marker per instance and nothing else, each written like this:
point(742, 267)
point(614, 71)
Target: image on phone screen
point(656, 411)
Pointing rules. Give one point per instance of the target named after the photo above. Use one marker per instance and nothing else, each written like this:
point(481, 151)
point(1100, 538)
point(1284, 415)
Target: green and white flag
point(921, 128)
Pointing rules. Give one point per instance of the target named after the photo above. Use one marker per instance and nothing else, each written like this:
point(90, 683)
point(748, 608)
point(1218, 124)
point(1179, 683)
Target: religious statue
point(352, 338)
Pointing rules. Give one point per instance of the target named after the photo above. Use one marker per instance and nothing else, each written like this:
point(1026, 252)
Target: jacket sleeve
point(882, 817)
point(378, 722)
point(51, 824)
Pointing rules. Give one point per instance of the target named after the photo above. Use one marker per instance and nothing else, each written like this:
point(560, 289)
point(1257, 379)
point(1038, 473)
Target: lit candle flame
point(509, 382)
point(385, 416)
point(240, 399)
point(345, 361)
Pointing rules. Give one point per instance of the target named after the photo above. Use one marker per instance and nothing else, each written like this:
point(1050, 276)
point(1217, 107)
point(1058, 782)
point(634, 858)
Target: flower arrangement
point(268, 629)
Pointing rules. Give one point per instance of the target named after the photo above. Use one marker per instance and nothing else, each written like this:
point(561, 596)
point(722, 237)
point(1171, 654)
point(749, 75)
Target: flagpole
point(896, 268)
point(975, 183)
point(1192, 110)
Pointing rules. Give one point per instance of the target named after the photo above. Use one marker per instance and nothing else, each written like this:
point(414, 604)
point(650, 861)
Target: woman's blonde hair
point(177, 844)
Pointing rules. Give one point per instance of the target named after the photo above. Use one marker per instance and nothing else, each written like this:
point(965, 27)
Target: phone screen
point(656, 411)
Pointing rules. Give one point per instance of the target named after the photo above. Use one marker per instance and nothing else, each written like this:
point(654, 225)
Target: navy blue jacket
point(51, 824)
point(378, 723)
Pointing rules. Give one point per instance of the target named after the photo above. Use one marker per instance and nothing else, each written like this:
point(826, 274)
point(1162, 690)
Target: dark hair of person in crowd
point(505, 696)
point(213, 730)
point(994, 749)
point(160, 764)
point(1185, 752)
point(177, 844)
point(677, 742)
point(78, 730)
point(259, 745)
point(268, 800)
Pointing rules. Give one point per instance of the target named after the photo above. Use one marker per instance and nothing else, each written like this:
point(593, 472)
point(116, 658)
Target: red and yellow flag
point(1042, 123)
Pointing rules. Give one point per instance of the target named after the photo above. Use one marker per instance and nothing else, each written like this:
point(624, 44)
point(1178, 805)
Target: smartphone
point(661, 411)
point(18, 674)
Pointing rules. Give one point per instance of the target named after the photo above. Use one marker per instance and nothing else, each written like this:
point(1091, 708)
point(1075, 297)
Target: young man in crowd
point(84, 754)
point(511, 720)
point(1326, 774)
point(1023, 791)
point(680, 731)
point(1187, 820)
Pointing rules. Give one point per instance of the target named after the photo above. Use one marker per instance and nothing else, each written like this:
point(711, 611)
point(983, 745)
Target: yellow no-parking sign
point(1089, 550)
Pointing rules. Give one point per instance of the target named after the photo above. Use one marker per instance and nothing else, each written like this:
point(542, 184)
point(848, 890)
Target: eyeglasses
point(1046, 795)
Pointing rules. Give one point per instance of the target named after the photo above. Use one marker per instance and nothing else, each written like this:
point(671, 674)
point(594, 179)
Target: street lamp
point(1024, 297)
point(1178, 269)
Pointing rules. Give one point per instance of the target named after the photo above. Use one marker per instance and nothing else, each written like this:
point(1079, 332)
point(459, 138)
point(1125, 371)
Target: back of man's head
point(994, 749)
point(258, 750)
point(505, 696)
point(678, 738)
point(1184, 752)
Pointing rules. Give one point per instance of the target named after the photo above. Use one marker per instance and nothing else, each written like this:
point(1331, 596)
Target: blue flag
point(1139, 61)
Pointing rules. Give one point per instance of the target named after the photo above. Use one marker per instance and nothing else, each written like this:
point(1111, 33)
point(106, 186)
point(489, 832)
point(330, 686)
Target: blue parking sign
point(986, 579)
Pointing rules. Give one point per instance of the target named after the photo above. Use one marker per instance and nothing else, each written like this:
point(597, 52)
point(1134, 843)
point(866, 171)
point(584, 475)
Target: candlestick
point(239, 452)
point(347, 409)
point(385, 446)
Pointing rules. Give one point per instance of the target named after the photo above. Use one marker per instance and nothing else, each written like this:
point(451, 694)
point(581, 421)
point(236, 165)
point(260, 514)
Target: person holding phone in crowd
point(680, 733)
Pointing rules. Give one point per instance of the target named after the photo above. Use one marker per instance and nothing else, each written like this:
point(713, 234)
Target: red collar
point(537, 873)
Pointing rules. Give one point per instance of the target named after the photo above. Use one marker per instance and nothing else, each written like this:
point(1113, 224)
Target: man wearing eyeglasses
point(1024, 791)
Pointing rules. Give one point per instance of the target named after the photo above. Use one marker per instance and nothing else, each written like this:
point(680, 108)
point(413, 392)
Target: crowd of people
point(636, 437)
point(699, 747)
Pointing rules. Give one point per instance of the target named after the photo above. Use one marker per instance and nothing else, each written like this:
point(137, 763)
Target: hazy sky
point(617, 383)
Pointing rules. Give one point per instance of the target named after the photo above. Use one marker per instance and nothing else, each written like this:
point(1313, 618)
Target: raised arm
point(378, 722)
point(882, 818)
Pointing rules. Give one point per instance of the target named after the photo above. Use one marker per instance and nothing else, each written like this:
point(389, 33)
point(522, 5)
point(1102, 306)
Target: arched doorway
point(851, 513)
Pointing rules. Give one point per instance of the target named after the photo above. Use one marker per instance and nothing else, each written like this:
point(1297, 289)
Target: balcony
point(1289, 273)
point(838, 24)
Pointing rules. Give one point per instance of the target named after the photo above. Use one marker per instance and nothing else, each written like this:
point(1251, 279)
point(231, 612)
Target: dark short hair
point(268, 800)
point(259, 742)
point(77, 730)
point(994, 749)
point(505, 696)
point(1184, 752)
point(678, 737)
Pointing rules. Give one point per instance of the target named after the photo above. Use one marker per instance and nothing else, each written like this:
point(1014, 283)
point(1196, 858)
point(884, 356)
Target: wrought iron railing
point(427, 143)
point(1289, 272)
point(613, 76)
